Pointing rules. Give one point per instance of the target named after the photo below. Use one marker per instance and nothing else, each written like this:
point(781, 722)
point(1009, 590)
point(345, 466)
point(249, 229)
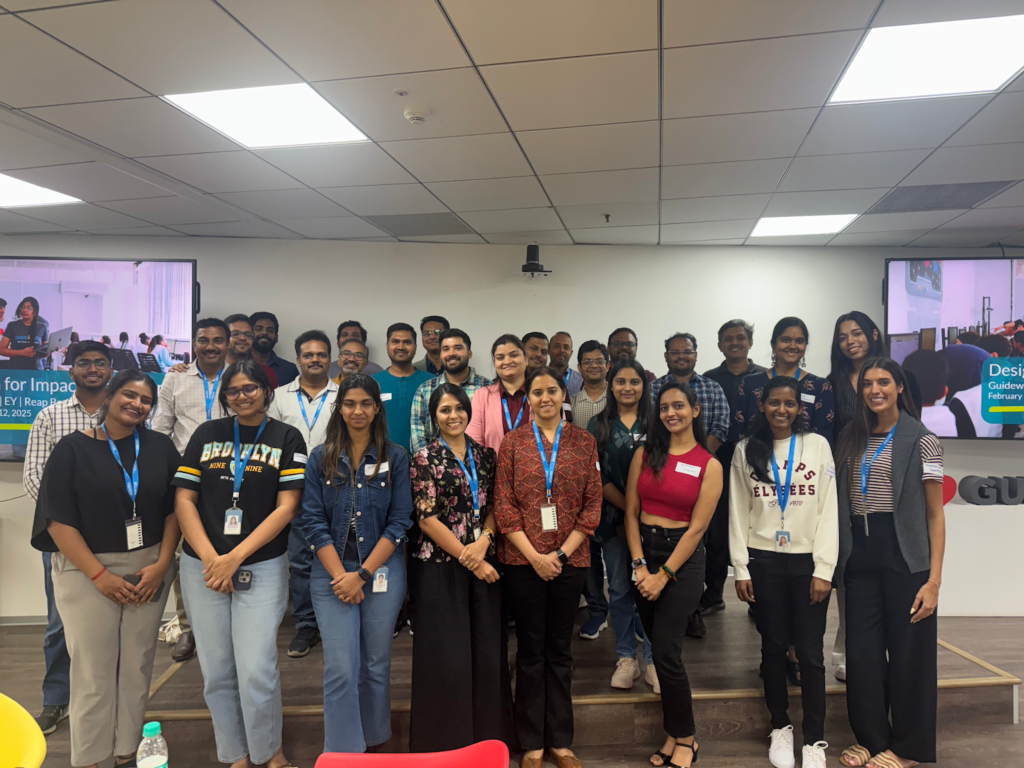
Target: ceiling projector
point(533, 267)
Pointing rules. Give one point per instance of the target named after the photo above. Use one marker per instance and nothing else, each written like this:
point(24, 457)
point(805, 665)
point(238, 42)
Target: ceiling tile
point(822, 203)
point(386, 200)
point(1017, 239)
point(457, 99)
point(49, 72)
point(856, 171)
point(897, 12)
point(345, 165)
point(19, 149)
point(490, 194)
point(91, 182)
point(136, 127)
point(999, 122)
point(285, 204)
point(963, 238)
point(555, 237)
point(898, 222)
point(520, 219)
point(539, 29)
point(695, 22)
point(725, 241)
point(753, 76)
point(879, 126)
point(632, 186)
point(989, 218)
point(466, 239)
point(13, 224)
point(957, 165)
point(1016, 85)
point(345, 227)
point(617, 235)
point(223, 171)
point(331, 39)
point(622, 215)
point(237, 229)
point(592, 90)
point(81, 216)
point(593, 148)
point(490, 156)
point(706, 230)
point(713, 208)
point(751, 136)
point(171, 211)
point(1008, 199)
point(804, 240)
point(167, 48)
point(710, 179)
point(139, 232)
point(896, 237)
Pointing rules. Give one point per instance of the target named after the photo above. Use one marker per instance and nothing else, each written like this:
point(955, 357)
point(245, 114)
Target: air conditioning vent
point(938, 197)
point(421, 224)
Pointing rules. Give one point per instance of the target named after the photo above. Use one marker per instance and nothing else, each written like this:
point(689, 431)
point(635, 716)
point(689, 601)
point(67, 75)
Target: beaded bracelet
point(668, 572)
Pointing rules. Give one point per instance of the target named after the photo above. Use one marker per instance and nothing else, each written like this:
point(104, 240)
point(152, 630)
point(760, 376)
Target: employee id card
point(477, 532)
point(549, 518)
point(134, 530)
point(233, 522)
point(380, 579)
point(782, 541)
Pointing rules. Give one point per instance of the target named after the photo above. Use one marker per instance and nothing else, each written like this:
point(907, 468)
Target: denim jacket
point(382, 506)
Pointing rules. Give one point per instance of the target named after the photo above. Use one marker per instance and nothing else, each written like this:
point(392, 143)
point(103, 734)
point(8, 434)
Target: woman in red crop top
point(674, 485)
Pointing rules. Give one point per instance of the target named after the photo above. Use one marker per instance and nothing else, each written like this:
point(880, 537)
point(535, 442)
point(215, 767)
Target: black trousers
point(891, 664)
point(461, 691)
point(664, 622)
point(545, 613)
point(717, 538)
point(782, 589)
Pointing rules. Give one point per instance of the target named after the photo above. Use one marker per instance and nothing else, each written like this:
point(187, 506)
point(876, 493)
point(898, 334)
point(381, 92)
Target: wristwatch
point(365, 575)
point(562, 557)
point(639, 563)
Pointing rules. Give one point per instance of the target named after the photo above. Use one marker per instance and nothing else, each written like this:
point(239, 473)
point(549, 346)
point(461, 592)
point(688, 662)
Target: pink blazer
point(487, 424)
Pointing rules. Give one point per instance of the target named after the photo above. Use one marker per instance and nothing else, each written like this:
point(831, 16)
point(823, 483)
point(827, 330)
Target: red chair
point(486, 754)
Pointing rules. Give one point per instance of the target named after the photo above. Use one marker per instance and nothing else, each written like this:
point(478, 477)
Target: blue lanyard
point(865, 465)
point(210, 394)
point(549, 467)
point(508, 415)
point(241, 465)
point(131, 482)
point(784, 492)
point(797, 377)
point(471, 476)
point(302, 406)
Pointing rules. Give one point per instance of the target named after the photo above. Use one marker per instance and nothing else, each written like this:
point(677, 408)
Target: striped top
point(879, 497)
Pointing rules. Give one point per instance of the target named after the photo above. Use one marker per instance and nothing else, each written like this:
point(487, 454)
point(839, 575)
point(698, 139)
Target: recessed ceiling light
point(780, 226)
point(15, 193)
point(939, 59)
point(270, 116)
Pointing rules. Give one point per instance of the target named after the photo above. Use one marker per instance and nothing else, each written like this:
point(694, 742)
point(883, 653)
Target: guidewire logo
point(1002, 391)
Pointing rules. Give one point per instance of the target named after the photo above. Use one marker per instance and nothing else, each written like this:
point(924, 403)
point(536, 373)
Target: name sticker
point(806, 397)
point(382, 467)
point(688, 469)
point(566, 406)
point(385, 396)
point(932, 468)
point(830, 470)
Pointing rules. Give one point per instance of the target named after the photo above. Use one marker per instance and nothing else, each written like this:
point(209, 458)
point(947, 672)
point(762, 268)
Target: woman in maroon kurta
point(547, 505)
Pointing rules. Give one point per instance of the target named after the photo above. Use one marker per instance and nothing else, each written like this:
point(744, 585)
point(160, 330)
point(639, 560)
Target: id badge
point(782, 540)
point(477, 532)
point(380, 579)
point(233, 522)
point(549, 518)
point(134, 530)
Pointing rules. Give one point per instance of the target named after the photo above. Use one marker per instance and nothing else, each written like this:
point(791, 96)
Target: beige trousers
point(112, 648)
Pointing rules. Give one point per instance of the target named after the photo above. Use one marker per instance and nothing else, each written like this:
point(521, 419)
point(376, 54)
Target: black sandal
point(665, 759)
point(695, 750)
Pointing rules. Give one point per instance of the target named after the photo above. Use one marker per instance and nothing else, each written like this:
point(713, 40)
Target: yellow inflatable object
point(22, 744)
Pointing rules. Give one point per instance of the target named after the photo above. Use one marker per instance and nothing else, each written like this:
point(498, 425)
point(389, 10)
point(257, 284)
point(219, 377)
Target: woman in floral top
point(460, 687)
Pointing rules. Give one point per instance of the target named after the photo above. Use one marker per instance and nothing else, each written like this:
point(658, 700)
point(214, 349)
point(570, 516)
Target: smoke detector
point(417, 115)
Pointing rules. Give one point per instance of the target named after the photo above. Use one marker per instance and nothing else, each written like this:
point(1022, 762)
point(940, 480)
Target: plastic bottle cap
point(150, 730)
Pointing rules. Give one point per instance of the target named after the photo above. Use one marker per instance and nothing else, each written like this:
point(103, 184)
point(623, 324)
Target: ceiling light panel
point(15, 193)
point(938, 59)
point(271, 116)
point(783, 226)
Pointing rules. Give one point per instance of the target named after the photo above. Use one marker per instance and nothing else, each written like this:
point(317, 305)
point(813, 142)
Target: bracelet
point(668, 572)
point(99, 574)
point(490, 534)
point(932, 581)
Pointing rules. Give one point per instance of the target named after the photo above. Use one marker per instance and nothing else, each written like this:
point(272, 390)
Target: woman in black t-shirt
point(234, 576)
point(106, 509)
point(23, 335)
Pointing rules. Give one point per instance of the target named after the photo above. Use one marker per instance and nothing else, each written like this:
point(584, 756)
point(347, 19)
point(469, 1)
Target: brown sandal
point(855, 756)
point(882, 760)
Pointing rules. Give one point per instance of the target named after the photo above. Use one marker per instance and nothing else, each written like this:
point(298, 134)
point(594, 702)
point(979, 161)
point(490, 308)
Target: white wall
point(655, 290)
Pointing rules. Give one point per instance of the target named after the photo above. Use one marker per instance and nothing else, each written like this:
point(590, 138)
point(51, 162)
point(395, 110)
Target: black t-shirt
point(278, 463)
point(22, 337)
point(84, 487)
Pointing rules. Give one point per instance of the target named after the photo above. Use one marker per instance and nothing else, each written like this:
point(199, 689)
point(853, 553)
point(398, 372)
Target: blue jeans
point(300, 563)
point(236, 638)
point(57, 680)
point(357, 657)
point(621, 605)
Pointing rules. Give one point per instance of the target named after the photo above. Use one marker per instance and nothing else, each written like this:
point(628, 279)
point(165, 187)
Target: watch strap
point(365, 575)
point(562, 557)
point(639, 563)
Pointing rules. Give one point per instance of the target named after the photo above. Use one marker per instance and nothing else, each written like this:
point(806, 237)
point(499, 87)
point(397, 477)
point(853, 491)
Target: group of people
point(489, 507)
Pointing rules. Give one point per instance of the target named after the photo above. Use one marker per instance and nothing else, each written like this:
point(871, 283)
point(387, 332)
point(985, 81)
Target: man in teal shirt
point(399, 382)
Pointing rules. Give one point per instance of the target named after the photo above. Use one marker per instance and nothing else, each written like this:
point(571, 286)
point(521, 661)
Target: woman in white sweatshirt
point(784, 541)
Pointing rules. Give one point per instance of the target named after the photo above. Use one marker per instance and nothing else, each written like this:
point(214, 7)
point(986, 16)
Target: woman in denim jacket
point(356, 511)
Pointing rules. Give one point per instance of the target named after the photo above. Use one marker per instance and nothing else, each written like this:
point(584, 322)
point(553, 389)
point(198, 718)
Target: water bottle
point(153, 749)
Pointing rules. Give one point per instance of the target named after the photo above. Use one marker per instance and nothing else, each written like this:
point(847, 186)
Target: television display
point(955, 325)
point(48, 304)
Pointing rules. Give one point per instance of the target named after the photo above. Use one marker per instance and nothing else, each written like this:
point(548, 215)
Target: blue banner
point(23, 394)
point(1002, 390)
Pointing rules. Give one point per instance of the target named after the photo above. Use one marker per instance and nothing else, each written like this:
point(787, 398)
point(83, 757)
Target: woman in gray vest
point(892, 536)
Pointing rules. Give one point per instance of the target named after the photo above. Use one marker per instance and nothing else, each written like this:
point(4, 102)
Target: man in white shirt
point(307, 404)
point(593, 367)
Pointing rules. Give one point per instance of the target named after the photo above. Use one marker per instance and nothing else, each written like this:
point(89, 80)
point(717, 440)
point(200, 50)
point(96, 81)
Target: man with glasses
point(431, 328)
point(265, 328)
point(90, 371)
point(187, 399)
point(560, 350)
point(593, 370)
point(349, 330)
point(622, 346)
point(352, 359)
point(240, 347)
point(398, 384)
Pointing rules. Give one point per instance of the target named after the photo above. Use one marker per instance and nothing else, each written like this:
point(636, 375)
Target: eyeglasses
point(84, 365)
point(235, 392)
point(438, 332)
point(686, 353)
point(594, 363)
point(240, 334)
point(352, 356)
point(623, 344)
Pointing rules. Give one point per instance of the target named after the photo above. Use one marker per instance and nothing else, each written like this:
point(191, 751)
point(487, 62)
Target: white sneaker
point(651, 678)
point(780, 753)
point(841, 673)
point(814, 756)
point(626, 671)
